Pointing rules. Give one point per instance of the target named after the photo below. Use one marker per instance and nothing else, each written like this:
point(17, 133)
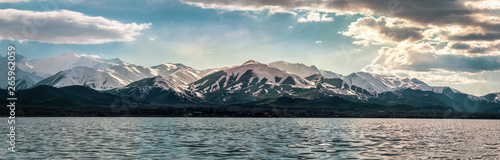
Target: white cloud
point(317, 42)
point(382, 30)
point(153, 38)
point(438, 41)
point(290, 27)
point(239, 5)
point(13, 1)
point(315, 17)
point(65, 26)
point(481, 14)
point(437, 78)
point(483, 4)
point(429, 56)
point(90, 55)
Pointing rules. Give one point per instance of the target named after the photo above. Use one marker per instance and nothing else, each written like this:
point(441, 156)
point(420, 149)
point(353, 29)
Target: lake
point(251, 138)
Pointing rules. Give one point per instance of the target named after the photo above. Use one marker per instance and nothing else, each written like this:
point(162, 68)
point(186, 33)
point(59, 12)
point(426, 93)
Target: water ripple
point(253, 138)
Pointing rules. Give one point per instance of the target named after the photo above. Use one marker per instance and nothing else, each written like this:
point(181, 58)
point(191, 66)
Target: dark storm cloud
point(460, 46)
point(476, 37)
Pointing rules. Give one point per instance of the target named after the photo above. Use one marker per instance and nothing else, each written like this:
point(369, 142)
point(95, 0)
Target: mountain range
point(249, 83)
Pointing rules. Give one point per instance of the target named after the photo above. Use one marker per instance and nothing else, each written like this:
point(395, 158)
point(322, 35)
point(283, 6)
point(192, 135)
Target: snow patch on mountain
point(165, 84)
point(166, 69)
point(120, 75)
point(183, 77)
point(375, 83)
point(23, 80)
point(83, 76)
point(262, 71)
point(330, 89)
point(130, 73)
point(46, 67)
point(492, 97)
point(119, 71)
point(302, 69)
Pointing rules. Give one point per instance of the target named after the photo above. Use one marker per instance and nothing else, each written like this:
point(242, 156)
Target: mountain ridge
point(175, 83)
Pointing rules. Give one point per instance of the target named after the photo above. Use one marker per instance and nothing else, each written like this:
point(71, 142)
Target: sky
point(444, 43)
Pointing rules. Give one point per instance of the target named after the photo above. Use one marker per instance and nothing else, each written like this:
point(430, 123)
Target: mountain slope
point(83, 76)
point(127, 74)
point(114, 77)
point(46, 67)
point(492, 97)
point(302, 69)
point(176, 84)
point(250, 72)
point(448, 97)
point(70, 96)
point(100, 74)
point(156, 90)
point(183, 77)
point(375, 83)
point(249, 81)
point(166, 69)
point(24, 79)
point(338, 87)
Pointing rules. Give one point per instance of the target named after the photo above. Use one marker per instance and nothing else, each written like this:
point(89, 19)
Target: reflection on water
point(252, 138)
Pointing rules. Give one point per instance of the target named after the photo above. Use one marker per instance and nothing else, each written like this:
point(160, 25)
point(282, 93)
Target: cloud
point(478, 50)
point(476, 37)
point(422, 11)
point(13, 1)
point(370, 30)
point(460, 46)
point(437, 78)
point(318, 42)
point(483, 4)
point(65, 27)
point(471, 49)
point(315, 17)
point(242, 5)
point(424, 57)
point(90, 55)
point(449, 36)
point(425, 13)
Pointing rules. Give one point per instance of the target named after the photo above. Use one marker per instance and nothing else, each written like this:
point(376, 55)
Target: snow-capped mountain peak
point(302, 70)
point(156, 81)
point(183, 77)
point(376, 83)
point(171, 67)
point(492, 97)
point(83, 76)
point(69, 54)
point(166, 69)
point(251, 74)
point(166, 66)
point(251, 62)
point(263, 71)
point(111, 70)
point(46, 67)
point(117, 61)
point(249, 81)
point(24, 79)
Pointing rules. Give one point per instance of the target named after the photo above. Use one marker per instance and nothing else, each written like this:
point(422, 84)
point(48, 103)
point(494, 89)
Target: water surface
point(252, 138)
